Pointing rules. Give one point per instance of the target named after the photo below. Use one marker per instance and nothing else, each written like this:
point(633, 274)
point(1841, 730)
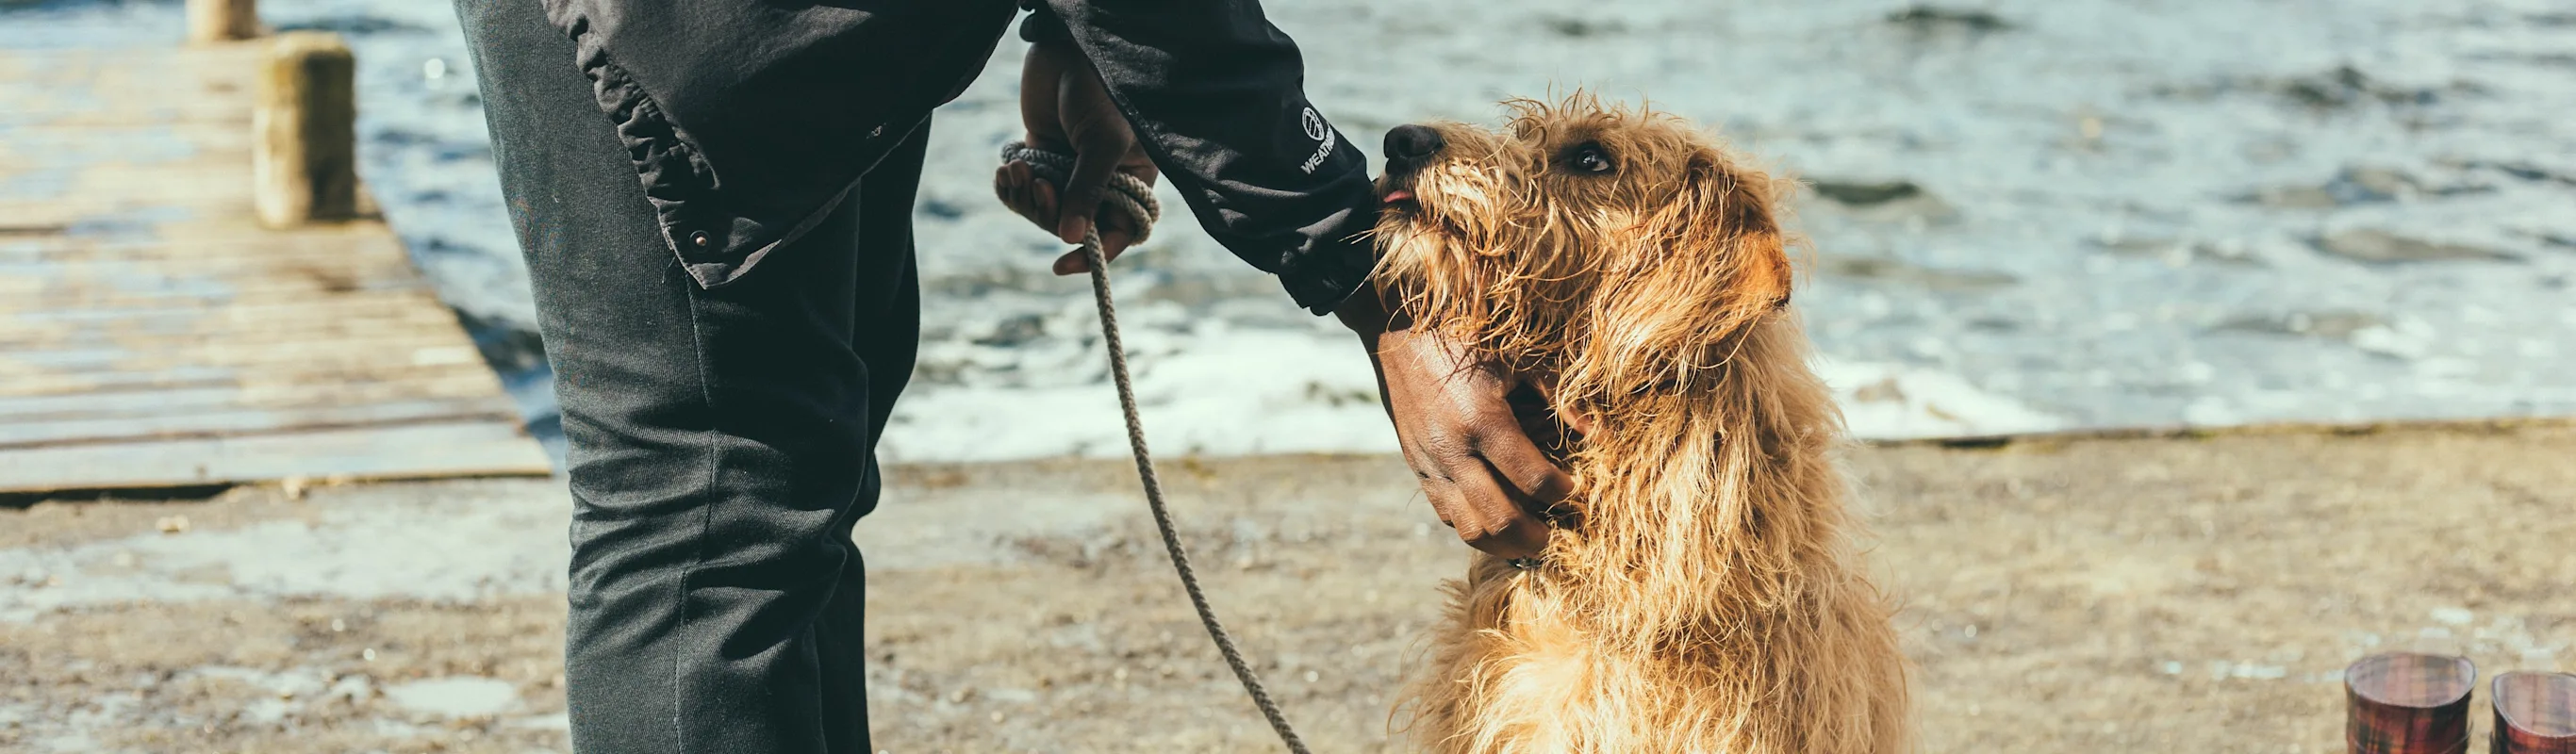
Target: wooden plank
point(179, 331)
point(126, 85)
point(82, 203)
point(338, 355)
point(153, 334)
point(196, 147)
point(293, 285)
point(200, 398)
point(107, 384)
point(233, 422)
point(399, 451)
point(169, 240)
point(182, 184)
point(351, 304)
point(300, 362)
point(152, 313)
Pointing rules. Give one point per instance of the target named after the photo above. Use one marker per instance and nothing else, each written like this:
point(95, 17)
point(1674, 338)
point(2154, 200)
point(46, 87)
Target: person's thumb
point(1083, 191)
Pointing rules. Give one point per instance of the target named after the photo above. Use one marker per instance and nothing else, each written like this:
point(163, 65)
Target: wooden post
point(305, 139)
point(222, 20)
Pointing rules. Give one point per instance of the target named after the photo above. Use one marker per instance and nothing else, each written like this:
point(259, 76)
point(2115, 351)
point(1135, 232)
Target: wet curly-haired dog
point(1702, 593)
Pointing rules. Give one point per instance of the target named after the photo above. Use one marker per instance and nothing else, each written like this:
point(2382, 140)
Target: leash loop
point(1136, 199)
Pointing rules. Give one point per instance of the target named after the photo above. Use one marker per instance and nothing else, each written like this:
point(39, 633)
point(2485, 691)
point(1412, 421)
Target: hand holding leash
point(1067, 111)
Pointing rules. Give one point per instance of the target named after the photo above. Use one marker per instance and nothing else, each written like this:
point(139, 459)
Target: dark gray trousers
point(721, 441)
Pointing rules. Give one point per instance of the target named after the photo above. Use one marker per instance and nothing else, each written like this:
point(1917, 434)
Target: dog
point(1701, 591)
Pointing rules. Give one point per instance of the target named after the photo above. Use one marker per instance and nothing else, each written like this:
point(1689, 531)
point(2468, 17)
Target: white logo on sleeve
point(1322, 133)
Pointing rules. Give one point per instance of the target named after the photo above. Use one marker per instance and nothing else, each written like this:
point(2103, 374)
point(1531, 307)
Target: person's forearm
point(1216, 96)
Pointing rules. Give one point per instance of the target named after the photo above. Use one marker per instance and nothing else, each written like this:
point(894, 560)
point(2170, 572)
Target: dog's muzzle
point(1408, 148)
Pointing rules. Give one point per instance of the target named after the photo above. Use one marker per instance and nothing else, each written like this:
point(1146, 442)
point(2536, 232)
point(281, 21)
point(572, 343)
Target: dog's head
point(1610, 250)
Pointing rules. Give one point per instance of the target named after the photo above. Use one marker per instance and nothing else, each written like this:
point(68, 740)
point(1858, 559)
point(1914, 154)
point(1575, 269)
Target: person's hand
point(1483, 474)
point(1067, 110)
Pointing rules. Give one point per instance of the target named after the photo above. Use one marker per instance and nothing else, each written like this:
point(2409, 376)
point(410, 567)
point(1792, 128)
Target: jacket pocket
point(677, 179)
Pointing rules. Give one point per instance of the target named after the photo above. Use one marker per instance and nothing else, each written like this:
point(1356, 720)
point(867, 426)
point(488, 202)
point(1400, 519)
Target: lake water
point(2027, 215)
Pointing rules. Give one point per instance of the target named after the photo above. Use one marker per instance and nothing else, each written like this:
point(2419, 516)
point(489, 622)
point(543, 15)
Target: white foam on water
point(1213, 390)
point(1882, 401)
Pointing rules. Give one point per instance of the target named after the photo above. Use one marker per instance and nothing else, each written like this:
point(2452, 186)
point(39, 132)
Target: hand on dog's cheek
point(1482, 473)
point(1568, 416)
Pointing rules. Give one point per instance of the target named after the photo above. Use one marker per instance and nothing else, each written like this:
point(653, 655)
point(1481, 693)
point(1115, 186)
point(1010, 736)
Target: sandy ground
point(2144, 594)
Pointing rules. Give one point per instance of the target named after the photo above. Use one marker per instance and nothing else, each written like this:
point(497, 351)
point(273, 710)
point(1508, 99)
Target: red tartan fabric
point(2404, 703)
point(2535, 713)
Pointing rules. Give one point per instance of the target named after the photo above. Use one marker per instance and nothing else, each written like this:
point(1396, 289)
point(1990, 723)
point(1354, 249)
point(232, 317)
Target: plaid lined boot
point(2403, 703)
point(2535, 713)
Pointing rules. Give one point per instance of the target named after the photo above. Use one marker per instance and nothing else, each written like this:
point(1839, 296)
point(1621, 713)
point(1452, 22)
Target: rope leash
point(1136, 199)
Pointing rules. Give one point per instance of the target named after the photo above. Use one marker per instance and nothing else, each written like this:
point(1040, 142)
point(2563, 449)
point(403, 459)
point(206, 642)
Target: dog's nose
point(1410, 145)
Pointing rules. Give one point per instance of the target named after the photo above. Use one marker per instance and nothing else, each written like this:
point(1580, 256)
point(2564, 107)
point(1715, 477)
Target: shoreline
point(2470, 425)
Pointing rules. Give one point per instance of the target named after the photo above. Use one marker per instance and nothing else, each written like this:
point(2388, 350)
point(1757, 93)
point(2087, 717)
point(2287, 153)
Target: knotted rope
point(1133, 197)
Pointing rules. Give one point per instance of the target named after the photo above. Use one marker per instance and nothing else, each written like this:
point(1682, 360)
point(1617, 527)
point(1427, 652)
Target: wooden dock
point(154, 333)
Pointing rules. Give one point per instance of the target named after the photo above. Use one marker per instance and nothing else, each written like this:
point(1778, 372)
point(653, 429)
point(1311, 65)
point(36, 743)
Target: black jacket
point(749, 119)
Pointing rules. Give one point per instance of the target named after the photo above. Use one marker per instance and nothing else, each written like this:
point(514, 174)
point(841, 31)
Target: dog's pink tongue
point(1397, 196)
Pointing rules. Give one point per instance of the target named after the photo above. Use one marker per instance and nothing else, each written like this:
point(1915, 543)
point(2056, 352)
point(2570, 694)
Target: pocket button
point(699, 238)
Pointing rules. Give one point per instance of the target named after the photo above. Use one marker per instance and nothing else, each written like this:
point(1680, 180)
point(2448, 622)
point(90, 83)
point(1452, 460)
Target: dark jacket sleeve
point(748, 120)
point(1217, 97)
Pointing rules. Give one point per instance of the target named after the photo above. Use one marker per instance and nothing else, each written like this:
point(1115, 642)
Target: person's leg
point(889, 314)
point(720, 440)
point(886, 328)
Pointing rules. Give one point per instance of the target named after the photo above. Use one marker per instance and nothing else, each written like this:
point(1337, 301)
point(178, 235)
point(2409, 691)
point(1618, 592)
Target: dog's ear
point(1714, 263)
point(1722, 243)
point(1733, 215)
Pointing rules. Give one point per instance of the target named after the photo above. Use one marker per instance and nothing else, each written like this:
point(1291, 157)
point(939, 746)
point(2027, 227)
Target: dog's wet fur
point(1703, 592)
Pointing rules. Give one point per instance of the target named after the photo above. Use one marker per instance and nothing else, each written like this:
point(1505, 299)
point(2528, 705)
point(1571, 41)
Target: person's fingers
point(1019, 188)
point(1119, 226)
point(1520, 464)
point(1446, 501)
point(1113, 242)
point(1502, 528)
point(1082, 193)
point(1042, 196)
point(1014, 196)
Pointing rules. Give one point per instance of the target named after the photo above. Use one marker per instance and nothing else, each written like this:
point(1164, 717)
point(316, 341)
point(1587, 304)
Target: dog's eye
point(1590, 159)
